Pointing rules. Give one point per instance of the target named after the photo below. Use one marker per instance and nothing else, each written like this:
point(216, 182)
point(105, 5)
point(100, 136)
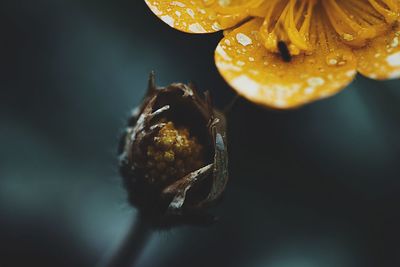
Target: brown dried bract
point(173, 156)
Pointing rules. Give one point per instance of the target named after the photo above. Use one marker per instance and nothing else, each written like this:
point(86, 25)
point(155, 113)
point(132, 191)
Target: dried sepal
point(173, 155)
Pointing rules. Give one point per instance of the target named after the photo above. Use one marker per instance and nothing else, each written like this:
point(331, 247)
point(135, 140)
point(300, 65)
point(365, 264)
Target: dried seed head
point(173, 157)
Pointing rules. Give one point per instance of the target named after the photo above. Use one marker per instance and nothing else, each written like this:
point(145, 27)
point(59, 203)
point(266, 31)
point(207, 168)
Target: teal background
point(313, 187)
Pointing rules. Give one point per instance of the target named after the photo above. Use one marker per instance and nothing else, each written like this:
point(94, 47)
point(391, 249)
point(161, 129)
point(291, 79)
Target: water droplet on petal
point(337, 58)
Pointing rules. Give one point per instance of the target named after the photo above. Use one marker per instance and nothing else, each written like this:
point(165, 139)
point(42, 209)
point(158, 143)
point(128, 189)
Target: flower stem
point(228, 107)
point(131, 248)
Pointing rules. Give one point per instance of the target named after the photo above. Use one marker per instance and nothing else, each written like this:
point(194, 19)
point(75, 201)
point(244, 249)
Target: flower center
point(294, 22)
point(288, 21)
point(173, 154)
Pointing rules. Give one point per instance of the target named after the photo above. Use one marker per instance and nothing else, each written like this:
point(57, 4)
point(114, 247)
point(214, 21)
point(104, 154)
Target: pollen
point(173, 153)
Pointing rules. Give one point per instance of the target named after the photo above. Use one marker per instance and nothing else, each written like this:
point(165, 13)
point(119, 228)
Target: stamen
point(291, 25)
point(356, 21)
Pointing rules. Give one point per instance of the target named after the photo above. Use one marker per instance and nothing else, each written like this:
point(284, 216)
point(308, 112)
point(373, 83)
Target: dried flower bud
point(173, 156)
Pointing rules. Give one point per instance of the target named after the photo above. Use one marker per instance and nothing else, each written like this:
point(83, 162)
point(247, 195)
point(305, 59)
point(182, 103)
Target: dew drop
point(337, 58)
point(347, 37)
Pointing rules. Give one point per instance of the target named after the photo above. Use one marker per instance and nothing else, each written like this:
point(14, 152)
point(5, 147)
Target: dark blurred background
point(313, 187)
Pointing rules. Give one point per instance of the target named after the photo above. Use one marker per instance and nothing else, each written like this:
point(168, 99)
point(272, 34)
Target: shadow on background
point(317, 186)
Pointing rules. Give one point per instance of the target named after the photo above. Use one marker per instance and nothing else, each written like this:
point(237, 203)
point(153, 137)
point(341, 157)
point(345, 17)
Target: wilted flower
point(173, 157)
point(285, 53)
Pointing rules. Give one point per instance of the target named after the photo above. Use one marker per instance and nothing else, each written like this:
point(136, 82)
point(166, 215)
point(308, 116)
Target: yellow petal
point(263, 77)
point(197, 16)
point(380, 59)
point(191, 16)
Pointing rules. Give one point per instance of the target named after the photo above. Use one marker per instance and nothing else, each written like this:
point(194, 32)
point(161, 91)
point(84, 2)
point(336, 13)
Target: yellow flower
point(285, 53)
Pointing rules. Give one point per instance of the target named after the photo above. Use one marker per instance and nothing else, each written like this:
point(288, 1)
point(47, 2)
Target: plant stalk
point(131, 248)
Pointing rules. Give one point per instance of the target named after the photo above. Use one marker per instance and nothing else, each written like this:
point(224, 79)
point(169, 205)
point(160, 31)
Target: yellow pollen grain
point(172, 154)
